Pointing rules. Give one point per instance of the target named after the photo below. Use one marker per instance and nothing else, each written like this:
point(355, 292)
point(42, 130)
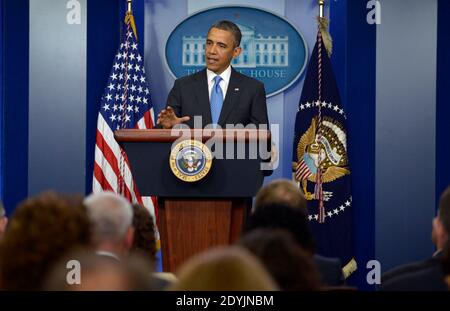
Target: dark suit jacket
point(245, 101)
point(330, 270)
point(424, 275)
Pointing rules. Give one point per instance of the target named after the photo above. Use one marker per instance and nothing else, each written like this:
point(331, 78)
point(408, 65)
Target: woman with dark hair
point(145, 246)
point(144, 242)
point(281, 216)
point(290, 266)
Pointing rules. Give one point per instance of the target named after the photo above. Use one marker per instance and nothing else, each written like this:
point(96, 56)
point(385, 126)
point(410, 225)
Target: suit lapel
point(231, 98)
point(201, 92)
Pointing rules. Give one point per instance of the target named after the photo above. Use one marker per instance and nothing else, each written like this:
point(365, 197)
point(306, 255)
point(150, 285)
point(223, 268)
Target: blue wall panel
point(405, 131)
point(57, 95)
point(442, 101)
point(2, 80)
point(360, 75)
point(15, 109)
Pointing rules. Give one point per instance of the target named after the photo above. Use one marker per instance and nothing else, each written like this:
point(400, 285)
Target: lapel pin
point(236, 89)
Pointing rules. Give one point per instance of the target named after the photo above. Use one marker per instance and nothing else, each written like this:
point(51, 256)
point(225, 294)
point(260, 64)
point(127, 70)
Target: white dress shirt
point(223, 83)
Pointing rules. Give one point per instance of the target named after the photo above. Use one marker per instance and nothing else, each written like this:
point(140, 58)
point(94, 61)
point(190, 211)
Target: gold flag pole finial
point(129, 6)
point(321, 8)
point(129, 19)
point(323, 26)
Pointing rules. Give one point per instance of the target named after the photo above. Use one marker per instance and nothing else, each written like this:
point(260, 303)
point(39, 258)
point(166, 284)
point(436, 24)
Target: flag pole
point(318, 190)
point(321, 8)
point(129, 21)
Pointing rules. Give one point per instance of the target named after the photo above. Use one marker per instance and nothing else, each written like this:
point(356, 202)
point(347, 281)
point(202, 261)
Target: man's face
point(219, 50)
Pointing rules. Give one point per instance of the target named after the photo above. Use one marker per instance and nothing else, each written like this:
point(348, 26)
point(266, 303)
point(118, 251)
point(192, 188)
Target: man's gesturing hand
point(168, 119)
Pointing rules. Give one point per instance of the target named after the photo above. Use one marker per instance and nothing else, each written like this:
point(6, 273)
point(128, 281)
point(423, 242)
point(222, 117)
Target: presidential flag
point(320, 157)
point(125, 104)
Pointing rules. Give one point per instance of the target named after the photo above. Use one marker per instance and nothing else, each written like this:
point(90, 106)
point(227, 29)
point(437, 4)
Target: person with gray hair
point(111, 216)
point(3, 220)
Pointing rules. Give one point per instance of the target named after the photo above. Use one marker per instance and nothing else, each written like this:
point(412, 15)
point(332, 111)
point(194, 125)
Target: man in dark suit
point(218, 94)
point(424, 275)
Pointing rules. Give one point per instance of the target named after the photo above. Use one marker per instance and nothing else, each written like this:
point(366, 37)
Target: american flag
point(302, 172)
point(125, 104)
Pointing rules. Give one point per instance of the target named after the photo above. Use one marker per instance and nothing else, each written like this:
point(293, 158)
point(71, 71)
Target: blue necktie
point(216, 100)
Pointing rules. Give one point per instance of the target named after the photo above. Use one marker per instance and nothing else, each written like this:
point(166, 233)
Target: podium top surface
point(170, 135)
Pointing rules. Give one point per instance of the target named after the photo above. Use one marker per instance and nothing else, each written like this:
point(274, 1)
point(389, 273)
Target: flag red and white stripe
point(302, 172)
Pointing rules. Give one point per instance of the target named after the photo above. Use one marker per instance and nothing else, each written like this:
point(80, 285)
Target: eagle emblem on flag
point(330, 148)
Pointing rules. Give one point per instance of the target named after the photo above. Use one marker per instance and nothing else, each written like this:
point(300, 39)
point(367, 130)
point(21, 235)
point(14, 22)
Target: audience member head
point(111, 216)
point(3, 220)
point(441, 223)
point(224, 269)
point(284, 217)
point(83, 270)
point(290, 266)
point(144, 242)
point(280, 191)
point(41, 230)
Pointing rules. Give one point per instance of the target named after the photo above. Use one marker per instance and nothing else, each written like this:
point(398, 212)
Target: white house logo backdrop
point(273, 51)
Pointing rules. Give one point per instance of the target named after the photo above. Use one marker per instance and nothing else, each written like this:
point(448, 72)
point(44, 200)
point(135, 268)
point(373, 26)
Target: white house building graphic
point(257, 50)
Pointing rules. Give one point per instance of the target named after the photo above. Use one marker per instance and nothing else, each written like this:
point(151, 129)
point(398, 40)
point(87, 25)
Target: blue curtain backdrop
point(2, 79)
point(15, 44)
point(442, 103)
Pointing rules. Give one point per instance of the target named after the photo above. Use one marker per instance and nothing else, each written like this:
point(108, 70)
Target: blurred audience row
point(102, 242)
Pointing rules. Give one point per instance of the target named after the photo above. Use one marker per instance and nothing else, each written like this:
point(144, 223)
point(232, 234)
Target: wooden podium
point(206, 213)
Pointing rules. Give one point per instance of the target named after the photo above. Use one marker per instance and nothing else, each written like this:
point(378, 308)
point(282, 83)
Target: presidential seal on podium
point(190, 160)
